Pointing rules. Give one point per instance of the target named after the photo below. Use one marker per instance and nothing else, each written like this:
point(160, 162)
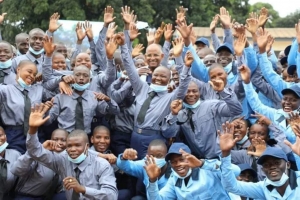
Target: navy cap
point(202, 40)
point(272, 152)
point(291, 69)
point(283, 60)
point(225, 46)
point(287, 50)
point(245, 167)
point(293, 89)
point(174, 149)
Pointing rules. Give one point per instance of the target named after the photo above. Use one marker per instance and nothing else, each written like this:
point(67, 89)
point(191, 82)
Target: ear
point(288, 165)
point(92, 139)
point(162, 56)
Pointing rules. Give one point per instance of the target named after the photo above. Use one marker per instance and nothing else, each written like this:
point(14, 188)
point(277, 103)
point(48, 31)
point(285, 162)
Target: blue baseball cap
point(202, 40)
point(245, 167)
point(227, 47)
point(174, 149)
point(293, 89)
point(291, 69)
point(287, 50)
point(272, 152)
point(283, 60)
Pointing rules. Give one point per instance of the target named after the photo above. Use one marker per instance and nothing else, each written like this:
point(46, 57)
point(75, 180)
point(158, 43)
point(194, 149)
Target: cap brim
point(261, 160)
point(168, 156)
point(224, 48)
point(288, 90)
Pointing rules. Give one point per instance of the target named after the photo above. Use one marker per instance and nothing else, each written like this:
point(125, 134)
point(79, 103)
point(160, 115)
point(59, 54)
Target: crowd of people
point(180, 121)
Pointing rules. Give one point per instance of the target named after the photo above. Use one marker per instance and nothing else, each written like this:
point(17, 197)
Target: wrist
point(247, 81)
point(32, 130)
point(49, 55)
point(152, 180)
point(110, 57)
point(91, 39)
point(225, 153)
point(122, 158)
point(212, 31)
point(50, 31)
point(82, 189)
point(174, 113)
point(106, 25)
point(262, 50)
point(79, 41)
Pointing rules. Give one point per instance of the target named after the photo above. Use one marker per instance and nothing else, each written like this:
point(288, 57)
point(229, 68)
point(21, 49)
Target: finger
point(288, 143)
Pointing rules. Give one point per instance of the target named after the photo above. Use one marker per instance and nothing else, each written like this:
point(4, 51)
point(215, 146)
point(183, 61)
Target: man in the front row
point(85, 176)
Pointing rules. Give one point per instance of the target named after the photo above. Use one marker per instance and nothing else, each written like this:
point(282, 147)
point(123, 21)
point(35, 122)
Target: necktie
point(3, 176)
point(79, 115)
point(27, 109)
point(190, 117)
point(145, 107)
point(75, 195)
point(2, 75)
point(36, 62)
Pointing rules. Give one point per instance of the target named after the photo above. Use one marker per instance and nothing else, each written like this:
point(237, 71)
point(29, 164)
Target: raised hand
point(137, 50)
point(193, 37)
point(180, 14)
point(150, 36)
point(225, 18)
point(65, 88)
point(133, 31)
point(51, 145)
point(49, 46)
point(101, 97)
point(111, 30)
point(188, 59)
point(294, 122)
point(159, 33)
point(297, 27)
point(153, 171)
point(2, 17)
point(239, 29)
point(111, 46)
point(192, 161)
point(263, 17)
point(120, 37)
point(239, 45)
point(126, 14)
point(108, 15)
point(88, 30)
point(217, 84)
point(129, 154)
point(269, 43)
point(53, 24)
point(184, 30)
point(296, 146)
point(177, 46)
point(176, 106)
point(36, 118)
point(252, 24)
point(261, 119)
point(168, 32)
point(259, 146)
point(262, 40)
point(133, 19)
point(79, 31)
point(227, 142)
point(245, 73)
point(214, 23)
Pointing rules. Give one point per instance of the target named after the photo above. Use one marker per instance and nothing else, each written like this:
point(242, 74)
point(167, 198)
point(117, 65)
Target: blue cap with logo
point(226, 46)
point(202, 40)
point(293, 89)
point(272, 152)
point(174, 149)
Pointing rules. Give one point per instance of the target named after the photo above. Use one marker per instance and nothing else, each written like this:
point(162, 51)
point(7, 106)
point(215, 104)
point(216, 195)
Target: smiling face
point(224, 57)
point(27, 71)
point(82, 75)
point(161, 76)
point(241, 129)
point(175, 77)
point(2, 137)
point(59, 62)
point(217, 73)
point(274, 167)
point(61, 48)
point(22, 43)
point(60, 136)
point(177, 163)
point(5, 52)
point(83, 59)
point(259, 131)
point(36, 39)
point(193, 94)
point(76, 145)
point(290, 102)
point(154, 56)
point(101, 140)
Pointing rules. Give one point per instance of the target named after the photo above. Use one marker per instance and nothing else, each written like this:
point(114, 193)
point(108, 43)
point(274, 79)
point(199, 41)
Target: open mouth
point(287, 109)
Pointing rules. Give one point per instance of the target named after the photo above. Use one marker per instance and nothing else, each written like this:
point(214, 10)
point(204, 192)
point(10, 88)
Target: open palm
point(36, 118)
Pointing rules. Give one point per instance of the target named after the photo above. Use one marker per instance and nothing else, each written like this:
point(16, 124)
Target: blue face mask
point(3, 147)
point(80, 158)
point(160, 162)
point(158, 88)
point(182, 177)
point(286, 114)
point(23, 84)
point(80, 87)
point(279, 183)
point(36, 52)
point(243, 140)
point(195, 105)
point(228, 68)
point(171, 63)
point(6, 64)
point(119, 74)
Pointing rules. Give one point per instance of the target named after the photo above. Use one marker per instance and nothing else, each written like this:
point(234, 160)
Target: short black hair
point(99, 128)
point(79, 133)
point(158, 142)
point(25, 62)
point(214, 66)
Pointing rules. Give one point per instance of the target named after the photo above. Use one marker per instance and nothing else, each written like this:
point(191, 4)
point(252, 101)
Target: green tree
point(273, 14)
point(289, 21)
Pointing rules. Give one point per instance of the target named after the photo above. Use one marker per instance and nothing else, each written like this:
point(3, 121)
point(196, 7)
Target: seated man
point(85, 176)
point(187, 181)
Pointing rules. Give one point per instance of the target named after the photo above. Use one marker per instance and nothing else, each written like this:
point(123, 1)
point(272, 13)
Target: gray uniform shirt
point(97, 176)
point(27, 56)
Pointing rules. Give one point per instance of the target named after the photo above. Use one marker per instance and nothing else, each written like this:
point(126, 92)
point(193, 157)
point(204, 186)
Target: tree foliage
point(289, 21)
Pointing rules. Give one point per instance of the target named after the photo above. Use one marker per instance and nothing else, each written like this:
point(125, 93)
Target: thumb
point(288, 143)
point(251, 153)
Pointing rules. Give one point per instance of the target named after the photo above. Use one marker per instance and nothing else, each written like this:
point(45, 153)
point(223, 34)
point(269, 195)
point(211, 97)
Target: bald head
point(165, 70)
point(25, 63)
point(155, 47)
point(101, 128)
point(21, 37)
point(36, 30)
point(204, 52)
point(79, 134)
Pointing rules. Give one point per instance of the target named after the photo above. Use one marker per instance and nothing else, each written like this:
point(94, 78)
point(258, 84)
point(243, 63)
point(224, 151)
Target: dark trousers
point(20, 197)
point(124, 194)
point(59, 196)
point(16, 139)
point(140, 142)
point(119, 142)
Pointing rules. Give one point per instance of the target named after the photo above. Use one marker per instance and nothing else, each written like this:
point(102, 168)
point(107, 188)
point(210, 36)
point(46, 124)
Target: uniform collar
point(7, 71)
point(194, 176)
point(292, 181)
point(84, 95)
point(84, 164)
point(32, 58)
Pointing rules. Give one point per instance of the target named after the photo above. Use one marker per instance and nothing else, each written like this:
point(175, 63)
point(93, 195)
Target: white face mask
point(3, 147)
point(182, 177)
point(280, 182)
